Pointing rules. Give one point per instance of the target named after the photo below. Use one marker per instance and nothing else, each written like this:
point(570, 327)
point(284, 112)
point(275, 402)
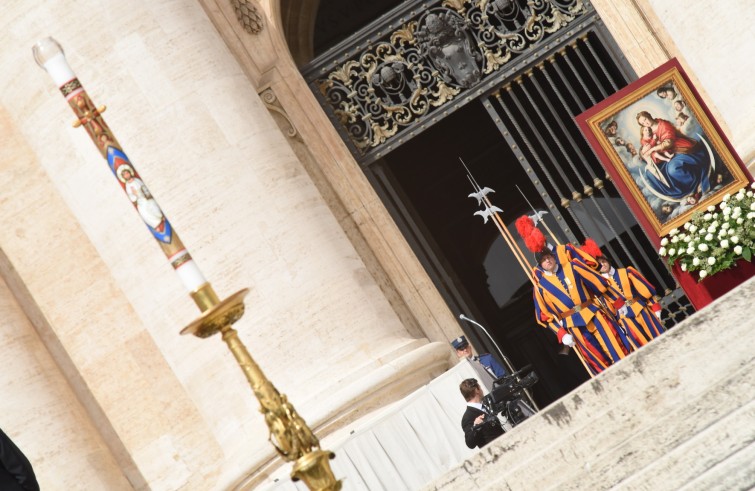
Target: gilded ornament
point(405, 35)
point(347, 114)
point(457, 5)
point(345, 72)
point(558, 20)
point(443, 94)
point(418, 101)
point(325, 86)
point(494, 60)
point(577, 7)
point(381, 133)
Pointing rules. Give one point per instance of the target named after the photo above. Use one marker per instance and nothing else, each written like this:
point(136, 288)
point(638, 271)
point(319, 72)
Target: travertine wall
point(42, 415)
point(714, 42)
point(718, 40)
point(677, 414)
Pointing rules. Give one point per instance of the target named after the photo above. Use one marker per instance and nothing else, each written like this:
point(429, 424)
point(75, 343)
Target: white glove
point(658, 314)
point(623, 310)
point(568, 340)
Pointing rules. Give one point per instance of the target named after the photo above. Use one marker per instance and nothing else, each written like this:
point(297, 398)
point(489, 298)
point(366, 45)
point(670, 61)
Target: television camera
point(506, 402)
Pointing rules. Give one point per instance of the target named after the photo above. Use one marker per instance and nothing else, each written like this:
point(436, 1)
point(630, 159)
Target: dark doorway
point(468, 259)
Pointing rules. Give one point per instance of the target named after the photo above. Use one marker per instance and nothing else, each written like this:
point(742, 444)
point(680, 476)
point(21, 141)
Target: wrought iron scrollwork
point(401, 75)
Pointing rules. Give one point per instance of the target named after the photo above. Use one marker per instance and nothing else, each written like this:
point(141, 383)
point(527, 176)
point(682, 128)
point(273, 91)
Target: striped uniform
point(640, 321)
point(565, 302)
point(568, 252)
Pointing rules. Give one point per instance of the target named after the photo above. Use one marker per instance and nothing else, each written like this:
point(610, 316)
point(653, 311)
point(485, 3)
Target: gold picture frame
point(663, 149)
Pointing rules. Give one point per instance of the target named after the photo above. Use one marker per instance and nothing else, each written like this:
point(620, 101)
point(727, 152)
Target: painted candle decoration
point(50, 56)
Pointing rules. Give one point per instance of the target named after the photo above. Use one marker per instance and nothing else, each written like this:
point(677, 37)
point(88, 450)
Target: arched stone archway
point(298, 25)
point(271, 63)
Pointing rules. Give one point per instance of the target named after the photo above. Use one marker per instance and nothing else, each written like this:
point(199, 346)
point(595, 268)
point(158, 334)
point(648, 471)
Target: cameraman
point(479, 427)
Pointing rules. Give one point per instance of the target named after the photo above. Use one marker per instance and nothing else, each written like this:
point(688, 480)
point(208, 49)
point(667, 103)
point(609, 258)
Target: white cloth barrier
point(404, 446)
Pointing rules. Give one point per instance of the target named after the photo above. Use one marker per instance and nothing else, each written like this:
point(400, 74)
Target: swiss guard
point(569, 296)
point(641, 317)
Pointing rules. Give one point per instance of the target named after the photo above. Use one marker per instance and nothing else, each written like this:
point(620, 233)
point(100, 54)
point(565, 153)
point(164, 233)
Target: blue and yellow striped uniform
point(565, 302)
point(640, 321)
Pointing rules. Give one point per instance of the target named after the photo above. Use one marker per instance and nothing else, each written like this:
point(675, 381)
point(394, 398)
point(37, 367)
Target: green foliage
point(714, 240)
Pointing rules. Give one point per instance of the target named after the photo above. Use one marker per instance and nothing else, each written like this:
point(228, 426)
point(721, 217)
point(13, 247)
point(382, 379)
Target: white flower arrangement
point(716, 239)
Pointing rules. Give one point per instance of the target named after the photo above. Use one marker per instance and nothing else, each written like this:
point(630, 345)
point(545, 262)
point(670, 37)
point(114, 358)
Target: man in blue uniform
point(490, 364)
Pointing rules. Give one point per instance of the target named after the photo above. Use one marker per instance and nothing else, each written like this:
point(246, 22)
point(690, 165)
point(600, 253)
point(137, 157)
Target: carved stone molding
point(273, 104)
point(248, 16)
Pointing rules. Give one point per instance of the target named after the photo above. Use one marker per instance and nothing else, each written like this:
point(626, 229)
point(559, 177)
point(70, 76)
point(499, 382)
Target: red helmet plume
point(592, 248)
point(524, 226)
point(535, 241)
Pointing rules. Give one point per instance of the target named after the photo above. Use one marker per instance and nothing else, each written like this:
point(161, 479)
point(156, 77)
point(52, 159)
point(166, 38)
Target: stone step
point(702, 452)
point(733, 474)
point(672, 414)
point(580, 449)
point(643, 443)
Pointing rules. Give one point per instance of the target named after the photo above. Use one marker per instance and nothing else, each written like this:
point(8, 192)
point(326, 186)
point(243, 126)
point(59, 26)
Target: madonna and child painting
point(658, 139)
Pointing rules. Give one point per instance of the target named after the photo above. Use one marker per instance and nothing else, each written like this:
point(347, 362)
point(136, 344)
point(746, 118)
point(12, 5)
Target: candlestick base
point(314, 469)
point(289, 433)
point(223, 314)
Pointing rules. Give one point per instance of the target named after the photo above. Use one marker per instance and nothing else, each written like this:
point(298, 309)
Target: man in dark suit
point(15, 470)
point(478, 431)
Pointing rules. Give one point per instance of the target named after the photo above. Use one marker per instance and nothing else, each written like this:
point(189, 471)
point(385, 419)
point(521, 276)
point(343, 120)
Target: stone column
point(41, 413)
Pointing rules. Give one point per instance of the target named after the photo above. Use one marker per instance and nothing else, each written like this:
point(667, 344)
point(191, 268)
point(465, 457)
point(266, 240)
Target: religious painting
point(663, 149)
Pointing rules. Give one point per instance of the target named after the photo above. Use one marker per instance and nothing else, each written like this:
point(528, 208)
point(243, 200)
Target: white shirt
point(476, 405)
